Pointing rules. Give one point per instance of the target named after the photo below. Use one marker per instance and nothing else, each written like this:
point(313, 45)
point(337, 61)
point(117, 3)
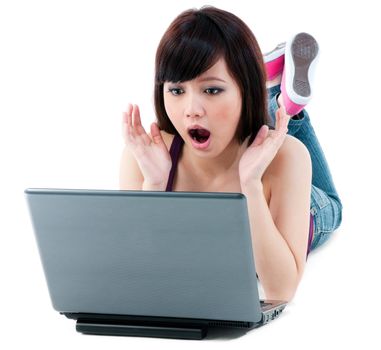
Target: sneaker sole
point(301, 54)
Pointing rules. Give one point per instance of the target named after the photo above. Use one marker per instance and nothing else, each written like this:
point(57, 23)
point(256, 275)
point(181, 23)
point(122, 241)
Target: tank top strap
point(174, 152)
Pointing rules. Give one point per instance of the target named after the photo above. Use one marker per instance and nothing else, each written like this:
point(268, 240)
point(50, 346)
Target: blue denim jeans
point(326, 206)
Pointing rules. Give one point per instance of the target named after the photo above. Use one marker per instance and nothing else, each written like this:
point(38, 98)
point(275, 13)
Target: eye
point(213, 91)
point(175, 91)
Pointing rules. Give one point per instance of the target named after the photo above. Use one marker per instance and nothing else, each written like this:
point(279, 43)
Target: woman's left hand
point(257, 157)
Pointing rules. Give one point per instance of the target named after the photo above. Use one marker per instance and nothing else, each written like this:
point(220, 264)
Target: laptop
point(149, 263)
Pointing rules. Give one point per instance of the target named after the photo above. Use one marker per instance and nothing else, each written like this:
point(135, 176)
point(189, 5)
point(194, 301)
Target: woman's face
point(212, 101)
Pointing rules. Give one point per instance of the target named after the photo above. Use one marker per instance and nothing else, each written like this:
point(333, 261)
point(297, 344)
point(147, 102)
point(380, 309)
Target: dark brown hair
point(193, 43)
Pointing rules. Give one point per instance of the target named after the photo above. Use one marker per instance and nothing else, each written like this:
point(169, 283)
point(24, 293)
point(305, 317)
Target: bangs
point(195, 48)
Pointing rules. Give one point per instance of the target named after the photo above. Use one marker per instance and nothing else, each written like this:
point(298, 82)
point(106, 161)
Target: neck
point(210, 169)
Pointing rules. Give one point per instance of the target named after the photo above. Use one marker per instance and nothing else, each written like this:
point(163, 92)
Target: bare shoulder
point(292, 147)
point(292, 157)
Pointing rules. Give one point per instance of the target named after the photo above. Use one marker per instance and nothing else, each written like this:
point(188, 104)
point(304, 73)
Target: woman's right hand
point(151, 155)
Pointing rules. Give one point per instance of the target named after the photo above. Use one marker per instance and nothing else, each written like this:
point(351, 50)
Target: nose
point(194, 106)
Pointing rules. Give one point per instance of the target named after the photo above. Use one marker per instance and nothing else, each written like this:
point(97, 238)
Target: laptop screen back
point(169, 254)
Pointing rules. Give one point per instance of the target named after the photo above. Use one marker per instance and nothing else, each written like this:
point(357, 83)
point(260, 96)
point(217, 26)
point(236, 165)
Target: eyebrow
point(203, 79)
point(212, 78)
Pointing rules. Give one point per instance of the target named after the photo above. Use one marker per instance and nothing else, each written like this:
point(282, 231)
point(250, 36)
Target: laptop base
point(150, 326)
point(140, 330)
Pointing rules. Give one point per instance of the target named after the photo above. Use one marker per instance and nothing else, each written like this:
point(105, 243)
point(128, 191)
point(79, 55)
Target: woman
point(212, 112)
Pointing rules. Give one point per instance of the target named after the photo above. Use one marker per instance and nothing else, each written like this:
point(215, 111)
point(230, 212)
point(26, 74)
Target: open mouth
point(199, 135)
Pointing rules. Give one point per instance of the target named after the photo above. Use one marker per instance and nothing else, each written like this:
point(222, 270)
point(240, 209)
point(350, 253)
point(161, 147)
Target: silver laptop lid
point(169, 254)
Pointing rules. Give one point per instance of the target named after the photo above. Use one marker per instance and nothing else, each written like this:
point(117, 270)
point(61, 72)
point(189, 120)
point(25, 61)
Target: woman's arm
point(280, 230)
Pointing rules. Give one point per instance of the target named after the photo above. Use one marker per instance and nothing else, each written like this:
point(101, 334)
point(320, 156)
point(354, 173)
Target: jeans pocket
point(319, 198)
point(322, 207)
point(326, 211)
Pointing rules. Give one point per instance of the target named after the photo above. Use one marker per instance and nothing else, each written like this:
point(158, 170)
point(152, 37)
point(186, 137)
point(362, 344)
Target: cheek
point(230, 111)
point(170, 109)
point(229, 116)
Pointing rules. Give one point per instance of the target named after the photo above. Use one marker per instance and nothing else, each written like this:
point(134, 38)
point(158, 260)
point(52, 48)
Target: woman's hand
point(151, 155)
point(261, 152)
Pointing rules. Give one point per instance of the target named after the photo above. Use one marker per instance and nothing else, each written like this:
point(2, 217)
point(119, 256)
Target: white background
point(68, 70)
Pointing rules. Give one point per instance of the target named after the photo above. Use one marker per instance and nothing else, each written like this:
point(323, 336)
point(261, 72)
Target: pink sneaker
point(300, 59)
point(274, 61)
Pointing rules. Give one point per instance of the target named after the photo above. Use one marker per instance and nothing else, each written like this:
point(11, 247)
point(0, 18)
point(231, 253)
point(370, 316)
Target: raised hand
point(150, 153)
point(262, 151)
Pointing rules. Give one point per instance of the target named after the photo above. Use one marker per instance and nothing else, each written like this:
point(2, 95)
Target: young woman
point(212, 135)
